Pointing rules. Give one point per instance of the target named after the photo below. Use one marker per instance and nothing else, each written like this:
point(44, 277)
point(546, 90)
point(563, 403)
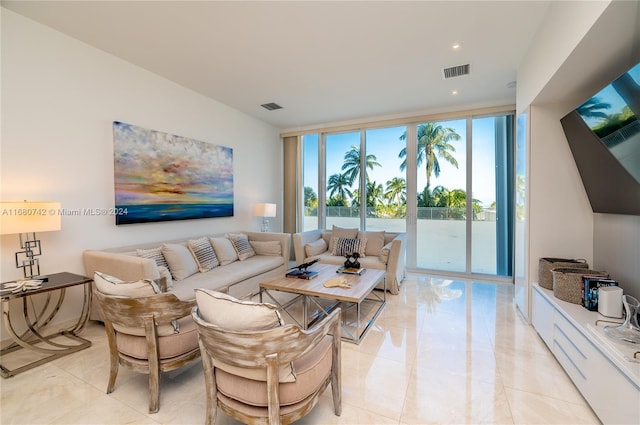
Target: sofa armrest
point(283, 238)
point(301, 239)
point(396, 268)
point(122, 266)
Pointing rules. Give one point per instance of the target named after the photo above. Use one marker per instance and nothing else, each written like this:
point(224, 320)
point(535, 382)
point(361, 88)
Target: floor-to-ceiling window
point(441, 162)
point(342, 184)
point(385, 178)
point(448, 183)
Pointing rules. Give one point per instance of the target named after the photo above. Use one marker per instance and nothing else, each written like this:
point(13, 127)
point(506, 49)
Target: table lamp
point(25, 219)
point(265, 211)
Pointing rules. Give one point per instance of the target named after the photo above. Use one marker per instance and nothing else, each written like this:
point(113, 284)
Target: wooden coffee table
point(318, 301)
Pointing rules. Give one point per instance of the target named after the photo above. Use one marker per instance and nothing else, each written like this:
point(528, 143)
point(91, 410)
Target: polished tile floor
point(443, 351)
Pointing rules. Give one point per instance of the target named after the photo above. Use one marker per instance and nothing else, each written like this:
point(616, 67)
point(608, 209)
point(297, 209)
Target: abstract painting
point(162, 177)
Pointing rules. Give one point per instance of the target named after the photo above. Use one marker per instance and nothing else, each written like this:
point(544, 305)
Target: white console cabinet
point(603, 370)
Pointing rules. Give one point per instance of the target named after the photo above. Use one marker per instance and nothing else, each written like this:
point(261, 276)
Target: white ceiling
point(322, 61)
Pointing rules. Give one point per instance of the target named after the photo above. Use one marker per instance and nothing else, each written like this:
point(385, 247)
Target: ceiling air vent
point(455, 71)
point(271, 106)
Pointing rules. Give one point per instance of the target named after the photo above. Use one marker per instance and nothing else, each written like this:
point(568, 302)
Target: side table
point(36, 320)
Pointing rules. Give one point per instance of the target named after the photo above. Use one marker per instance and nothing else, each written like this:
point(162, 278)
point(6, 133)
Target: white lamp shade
point(26, 217)
point(265, 210)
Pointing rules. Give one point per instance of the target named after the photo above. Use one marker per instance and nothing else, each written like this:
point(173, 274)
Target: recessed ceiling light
point(456, 45)
point(454, 92)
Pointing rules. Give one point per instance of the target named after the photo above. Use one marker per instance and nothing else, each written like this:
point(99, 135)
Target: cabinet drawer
point(573, 361)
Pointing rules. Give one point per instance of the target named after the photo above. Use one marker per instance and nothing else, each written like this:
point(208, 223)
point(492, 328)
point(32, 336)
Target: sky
point(385, 144)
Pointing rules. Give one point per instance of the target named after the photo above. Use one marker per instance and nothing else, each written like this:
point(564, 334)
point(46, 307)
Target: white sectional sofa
point(239, 278)
point(383, 250)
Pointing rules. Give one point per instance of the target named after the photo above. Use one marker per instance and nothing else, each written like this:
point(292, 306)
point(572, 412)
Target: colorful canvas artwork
point(162, 177)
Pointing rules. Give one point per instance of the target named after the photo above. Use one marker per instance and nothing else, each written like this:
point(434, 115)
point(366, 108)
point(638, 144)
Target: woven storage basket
point(545, 278)
point(567, 282)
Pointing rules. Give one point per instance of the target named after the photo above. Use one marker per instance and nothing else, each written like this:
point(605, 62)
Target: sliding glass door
point(448, 184)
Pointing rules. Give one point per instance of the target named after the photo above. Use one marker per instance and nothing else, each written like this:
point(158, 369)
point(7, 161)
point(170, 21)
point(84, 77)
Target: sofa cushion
point(375, 242)
point(266, 247)
point(155, 254)
point(241, 244)
point(348, 246)
point(315, 248)
point(229, 313)
point(203, 253)
point(180, 260)
point(384, 253)
point(225, 251)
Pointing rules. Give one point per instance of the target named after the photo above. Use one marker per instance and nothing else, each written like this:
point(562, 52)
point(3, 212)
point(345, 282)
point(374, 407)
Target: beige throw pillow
point(384, 252)
point(110, 285)
point(229, 313)
point(315, 248)
point(272, 248)
point(375, 242)
point(225, 251)
point(339, 232)
point(180, 260)
point(154, 254)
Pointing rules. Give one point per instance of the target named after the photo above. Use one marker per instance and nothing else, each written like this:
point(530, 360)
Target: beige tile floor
point(443, 351)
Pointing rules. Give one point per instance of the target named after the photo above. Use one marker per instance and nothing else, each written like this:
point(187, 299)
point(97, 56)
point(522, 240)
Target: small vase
point(629, 331)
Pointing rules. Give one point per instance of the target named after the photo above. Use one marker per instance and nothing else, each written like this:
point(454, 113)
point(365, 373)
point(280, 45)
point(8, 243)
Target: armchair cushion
point(315, 248)
point(311, 371)
point(229, 313)
point(170, 344)
point(111, 285)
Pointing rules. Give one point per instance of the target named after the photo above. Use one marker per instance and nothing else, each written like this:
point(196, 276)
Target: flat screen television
point(604, 137)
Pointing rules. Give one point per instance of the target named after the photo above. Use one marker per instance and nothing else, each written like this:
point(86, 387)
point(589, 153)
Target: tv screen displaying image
point(612, 114)
point(604, 137)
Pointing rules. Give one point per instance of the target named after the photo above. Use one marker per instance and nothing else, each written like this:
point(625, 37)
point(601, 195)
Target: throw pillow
point(315, 248)
point(154, 254)
point(231, 314)
point(375, 242)
point(384, 252)
point(180, 260)
point(110, 285)
point(224, 249)
point(241, 244)
point(348, 246)
point(203, 253)
point(272, 248)
point(339, 232)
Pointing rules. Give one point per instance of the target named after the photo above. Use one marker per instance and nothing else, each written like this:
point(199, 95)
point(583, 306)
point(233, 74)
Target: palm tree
point(593, 107)
point(310, 197)
point(351, 165)
point(433, 142)
point(338, 184)
point(396, 188)
point(374, 194)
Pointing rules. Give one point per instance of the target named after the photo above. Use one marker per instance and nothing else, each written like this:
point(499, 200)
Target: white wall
point(59, 99)
point(580, 47)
